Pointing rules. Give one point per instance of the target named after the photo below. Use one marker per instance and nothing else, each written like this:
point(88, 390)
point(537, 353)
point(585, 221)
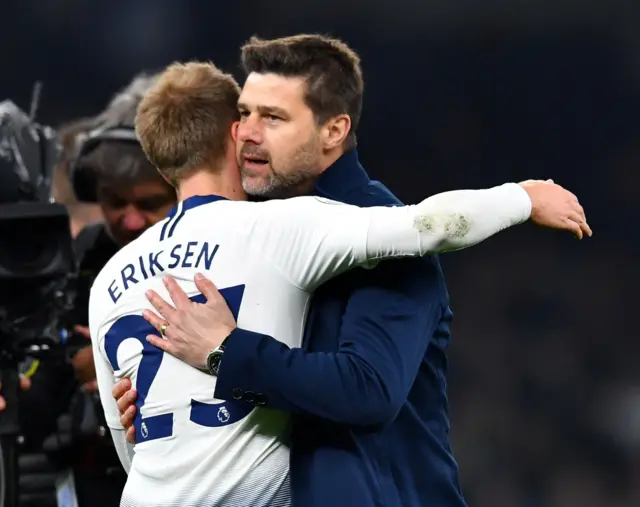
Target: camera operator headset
point(109, 169)
point(81, 214)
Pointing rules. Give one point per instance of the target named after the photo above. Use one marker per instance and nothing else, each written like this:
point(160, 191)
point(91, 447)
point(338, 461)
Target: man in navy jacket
point(376, 432)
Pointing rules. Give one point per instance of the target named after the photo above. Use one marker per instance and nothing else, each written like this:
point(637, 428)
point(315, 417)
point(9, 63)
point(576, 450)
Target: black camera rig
point(36, 264)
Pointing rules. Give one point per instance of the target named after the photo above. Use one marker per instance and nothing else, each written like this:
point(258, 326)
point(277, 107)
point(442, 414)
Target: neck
point(207, 182)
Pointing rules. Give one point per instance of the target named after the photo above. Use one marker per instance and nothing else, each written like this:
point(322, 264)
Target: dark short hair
point(121, 161)
point(331, 69)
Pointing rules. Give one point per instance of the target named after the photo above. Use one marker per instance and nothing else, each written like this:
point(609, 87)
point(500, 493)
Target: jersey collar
point(342, 176)
point(194, 202)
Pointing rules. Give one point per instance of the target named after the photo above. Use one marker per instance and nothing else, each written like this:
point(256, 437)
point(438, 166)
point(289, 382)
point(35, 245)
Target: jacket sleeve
point(386, 329)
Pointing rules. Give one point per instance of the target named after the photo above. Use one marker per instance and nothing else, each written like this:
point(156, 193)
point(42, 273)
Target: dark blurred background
point(544, 382)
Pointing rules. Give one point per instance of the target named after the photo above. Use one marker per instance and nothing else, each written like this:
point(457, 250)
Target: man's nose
point(250, 130)
point(133, 220)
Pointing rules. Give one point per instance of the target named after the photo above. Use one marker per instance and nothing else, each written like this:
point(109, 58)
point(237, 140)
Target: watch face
point(214, 361)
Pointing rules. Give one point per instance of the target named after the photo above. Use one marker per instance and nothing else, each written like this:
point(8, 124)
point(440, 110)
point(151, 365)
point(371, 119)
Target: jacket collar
point(342, 176)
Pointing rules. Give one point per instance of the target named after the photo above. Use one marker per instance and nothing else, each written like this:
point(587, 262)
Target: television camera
point(37, 265)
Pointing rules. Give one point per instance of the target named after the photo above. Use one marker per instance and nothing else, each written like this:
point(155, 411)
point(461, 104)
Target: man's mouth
point(254, 162)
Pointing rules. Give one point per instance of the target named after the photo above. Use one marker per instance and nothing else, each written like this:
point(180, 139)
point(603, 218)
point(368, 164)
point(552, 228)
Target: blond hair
point(184, 120)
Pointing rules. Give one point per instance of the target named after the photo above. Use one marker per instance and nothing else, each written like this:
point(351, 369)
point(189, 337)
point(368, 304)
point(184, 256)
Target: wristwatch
point(215, 358)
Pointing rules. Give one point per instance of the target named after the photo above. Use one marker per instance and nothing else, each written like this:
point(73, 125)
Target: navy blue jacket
point(368, 388)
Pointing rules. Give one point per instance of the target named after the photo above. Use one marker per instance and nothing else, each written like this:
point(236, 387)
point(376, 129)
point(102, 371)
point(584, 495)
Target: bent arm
point(386, 329)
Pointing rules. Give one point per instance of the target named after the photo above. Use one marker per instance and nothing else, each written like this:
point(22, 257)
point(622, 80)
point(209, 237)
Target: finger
point(121, 388)
point(576, 217)
point(582, 223)
point(154, 319)
point(574, 227)
point(127, 401)
point(207, 287)
point(25, 383)
point(131, 435)
point(3, 404)
point(83, 330)
point(586, 229)
point(127, 418)
point(164, 309)
point(178, 296)
point(161, 343)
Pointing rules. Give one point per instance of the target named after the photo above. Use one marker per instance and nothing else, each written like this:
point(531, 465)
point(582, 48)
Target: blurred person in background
point(103, 175)
point(81, 214)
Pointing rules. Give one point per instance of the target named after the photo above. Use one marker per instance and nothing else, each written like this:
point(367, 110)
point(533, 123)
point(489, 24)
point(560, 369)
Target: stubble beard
point(282, 183)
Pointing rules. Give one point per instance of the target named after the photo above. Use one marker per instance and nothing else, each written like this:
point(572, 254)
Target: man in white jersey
point(267, 258)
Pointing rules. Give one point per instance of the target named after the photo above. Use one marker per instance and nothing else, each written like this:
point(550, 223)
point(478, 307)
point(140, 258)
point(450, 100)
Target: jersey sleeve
point(104, 372)
point(312, 239)
point(123, 448)
point(445, 222)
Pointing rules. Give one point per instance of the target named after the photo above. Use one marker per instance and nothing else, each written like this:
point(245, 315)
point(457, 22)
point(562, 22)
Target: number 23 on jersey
point(160, 426)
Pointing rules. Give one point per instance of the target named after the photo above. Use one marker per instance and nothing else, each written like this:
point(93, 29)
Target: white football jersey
point(266, 259)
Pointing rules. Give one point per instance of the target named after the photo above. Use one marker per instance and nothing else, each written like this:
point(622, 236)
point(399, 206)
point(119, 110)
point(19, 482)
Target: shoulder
point(291, 202)
point(126, 255)
point(101, 302)
point(294, 210)
point(88, 237)
point(230, 213)
point(89, 232)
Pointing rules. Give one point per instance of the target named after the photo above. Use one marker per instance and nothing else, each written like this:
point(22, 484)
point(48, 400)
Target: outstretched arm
point(447, 221)
point(312, 239)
